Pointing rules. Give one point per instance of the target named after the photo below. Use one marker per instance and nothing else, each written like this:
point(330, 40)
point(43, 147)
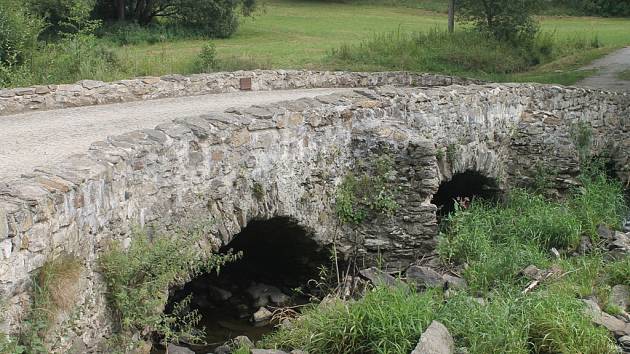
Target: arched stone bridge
point(286, 159)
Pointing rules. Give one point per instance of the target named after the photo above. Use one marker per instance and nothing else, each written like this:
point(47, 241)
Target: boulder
point(424, 277)
point(624, 342)
point(262, 294)
point(174, 349)
point(242, 341)
point(613, 324)
point(435, 340)
point(620, 242)
point(620, 296)
point(218, 294)
point(267, 351)
point(223, 349)
point(378, 277)
point(604, 232)
point(532, 272)
point(453, 282)
point(262, 315)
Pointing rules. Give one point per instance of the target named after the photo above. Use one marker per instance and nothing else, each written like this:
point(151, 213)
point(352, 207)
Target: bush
point(138, 280)
point(18, 33)
point(207, 60)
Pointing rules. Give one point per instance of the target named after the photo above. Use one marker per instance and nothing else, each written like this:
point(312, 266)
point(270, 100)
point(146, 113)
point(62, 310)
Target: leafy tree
point(506, 20)
point(62, 16)
point(214, 17)
point(600, 7)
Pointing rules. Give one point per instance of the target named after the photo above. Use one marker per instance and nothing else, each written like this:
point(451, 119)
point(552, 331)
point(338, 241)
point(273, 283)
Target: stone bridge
point(287, 160)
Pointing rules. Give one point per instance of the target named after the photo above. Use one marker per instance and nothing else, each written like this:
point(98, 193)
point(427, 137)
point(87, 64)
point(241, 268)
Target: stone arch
point(278, 256)
point(463, 187)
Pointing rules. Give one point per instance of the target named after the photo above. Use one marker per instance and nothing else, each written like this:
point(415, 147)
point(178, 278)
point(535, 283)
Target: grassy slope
point(293, 34)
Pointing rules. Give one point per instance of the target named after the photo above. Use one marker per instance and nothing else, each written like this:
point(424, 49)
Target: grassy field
point(291, 34)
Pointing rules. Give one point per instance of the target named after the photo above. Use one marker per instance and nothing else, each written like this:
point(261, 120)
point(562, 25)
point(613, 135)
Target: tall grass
point(497, 241)
point(390, 320)
point(385, 321)
point(463, 52)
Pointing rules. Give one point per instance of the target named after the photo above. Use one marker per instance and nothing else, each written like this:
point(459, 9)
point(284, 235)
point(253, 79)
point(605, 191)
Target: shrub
point(207, 60)
point(138, 280)
point(18, 33)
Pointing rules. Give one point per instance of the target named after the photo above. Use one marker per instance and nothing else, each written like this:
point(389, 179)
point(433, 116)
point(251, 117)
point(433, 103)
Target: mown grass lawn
point(295, 35)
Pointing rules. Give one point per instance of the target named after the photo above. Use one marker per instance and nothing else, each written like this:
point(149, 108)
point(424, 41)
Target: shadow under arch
point(278, 257)
point(464, 187)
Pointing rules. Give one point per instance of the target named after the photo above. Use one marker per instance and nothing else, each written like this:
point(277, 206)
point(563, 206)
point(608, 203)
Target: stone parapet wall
point(90, 92)
point(297, 152)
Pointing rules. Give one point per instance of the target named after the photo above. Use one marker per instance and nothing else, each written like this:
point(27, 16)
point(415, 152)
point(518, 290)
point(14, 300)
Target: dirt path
point(609, 68)
point(44, 138)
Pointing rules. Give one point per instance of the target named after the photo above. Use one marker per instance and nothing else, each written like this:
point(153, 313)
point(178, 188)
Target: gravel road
point(43, 138)
point(608, 68)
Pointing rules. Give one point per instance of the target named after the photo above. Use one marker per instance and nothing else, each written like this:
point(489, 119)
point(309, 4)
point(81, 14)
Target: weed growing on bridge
point(359, 195)
point(138, 280)
point(55, 289)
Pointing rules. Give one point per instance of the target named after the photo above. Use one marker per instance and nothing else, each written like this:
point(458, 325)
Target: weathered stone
point(620, 297)
point(613, 324)
point(532, 272)
point(223, 349)
point(435, 340)
point(219, 294)
point(267, 351)
point(378, 277)
point(604, 232)
point(424, 277)
point(624, 342)
point(174, 349)
point(243, 341)
point(453, 282)
point(262, 315)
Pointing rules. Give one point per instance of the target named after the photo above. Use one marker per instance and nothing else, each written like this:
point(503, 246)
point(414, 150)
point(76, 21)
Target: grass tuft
point(55, 290)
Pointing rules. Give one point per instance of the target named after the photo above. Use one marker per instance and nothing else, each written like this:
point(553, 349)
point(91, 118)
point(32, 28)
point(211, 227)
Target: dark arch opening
point(278, 258)
point(463, 188)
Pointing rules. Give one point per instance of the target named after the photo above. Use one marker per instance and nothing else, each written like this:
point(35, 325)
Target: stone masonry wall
point(299, 151)
point(90, 92)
